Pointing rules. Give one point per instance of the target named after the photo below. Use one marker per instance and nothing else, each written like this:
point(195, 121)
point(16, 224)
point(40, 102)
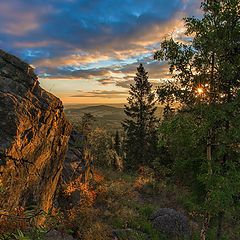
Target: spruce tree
point(141, 122)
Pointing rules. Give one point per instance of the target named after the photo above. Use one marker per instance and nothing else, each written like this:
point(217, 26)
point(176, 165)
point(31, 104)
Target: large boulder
point(171, 222)
point(34, 134)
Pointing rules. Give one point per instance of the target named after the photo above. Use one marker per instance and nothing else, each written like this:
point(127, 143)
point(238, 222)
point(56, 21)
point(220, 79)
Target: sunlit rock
point(34, 136)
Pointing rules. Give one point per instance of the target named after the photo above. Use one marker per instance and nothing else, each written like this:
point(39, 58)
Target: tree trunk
point(205, 227)
point(220, 223)
point(209, 151)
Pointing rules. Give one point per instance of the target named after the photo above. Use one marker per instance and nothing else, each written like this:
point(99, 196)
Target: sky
point(87, 51)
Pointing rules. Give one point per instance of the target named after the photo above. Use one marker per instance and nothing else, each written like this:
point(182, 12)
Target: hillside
point(109, 117)
point(106, 116)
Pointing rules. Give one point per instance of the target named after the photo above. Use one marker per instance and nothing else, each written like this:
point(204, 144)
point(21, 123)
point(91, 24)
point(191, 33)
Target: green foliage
point(202, 138)
point(2, 190)
point(19, 235)
point(213, 184)
point(211, 61)
point(182, 137)
point(99, 142)
point(142, 222)
point(130, 235)
point(100, 145)
point(140, 125)
point(86, 124)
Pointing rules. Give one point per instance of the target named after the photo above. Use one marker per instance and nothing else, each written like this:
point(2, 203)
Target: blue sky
point(87, 51)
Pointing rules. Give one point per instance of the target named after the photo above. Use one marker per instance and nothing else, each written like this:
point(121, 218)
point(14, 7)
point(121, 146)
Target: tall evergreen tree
point(141, 122)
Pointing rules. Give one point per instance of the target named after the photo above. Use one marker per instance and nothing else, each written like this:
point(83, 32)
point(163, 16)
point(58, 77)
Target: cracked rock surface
point(34, 135)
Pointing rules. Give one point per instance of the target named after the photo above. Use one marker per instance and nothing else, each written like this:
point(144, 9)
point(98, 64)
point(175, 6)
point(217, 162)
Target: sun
point(200, 90)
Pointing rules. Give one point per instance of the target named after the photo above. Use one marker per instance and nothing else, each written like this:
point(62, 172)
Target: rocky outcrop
point(77, 167)
point(74, 164)
point(171, 222)
point(78, 162)
point(34, 136)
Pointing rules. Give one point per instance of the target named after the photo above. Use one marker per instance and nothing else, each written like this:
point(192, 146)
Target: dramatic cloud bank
point(88, 51)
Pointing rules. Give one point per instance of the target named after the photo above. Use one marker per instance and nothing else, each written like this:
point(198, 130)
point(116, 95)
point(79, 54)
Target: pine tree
point(140, 124)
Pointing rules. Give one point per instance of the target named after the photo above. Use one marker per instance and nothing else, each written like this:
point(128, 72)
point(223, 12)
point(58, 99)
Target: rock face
point(77, 166)
point(77, 163)
point(74, 164)
point(171, 222)
point(34, 136)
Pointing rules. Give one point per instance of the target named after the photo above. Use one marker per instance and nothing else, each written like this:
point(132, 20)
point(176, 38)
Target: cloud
point(19, 18)
point(101, 41)
point(93, 26)
point(102, 94)
point(120, 76)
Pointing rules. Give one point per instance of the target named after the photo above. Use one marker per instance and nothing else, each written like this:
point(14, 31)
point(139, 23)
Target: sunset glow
point(88, 51)
point(200, 90)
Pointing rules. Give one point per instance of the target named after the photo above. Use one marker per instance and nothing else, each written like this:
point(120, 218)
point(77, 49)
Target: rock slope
point(34, 135)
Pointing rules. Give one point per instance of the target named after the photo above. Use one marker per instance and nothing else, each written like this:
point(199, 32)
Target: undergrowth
point(113, 204)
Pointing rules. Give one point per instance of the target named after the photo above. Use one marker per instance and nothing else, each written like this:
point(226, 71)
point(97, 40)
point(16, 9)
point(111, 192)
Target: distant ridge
point(102, 107)
point(78, 106)
point(96, 110)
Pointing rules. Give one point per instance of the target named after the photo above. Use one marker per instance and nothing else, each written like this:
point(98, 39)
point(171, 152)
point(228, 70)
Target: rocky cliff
point(34, 136)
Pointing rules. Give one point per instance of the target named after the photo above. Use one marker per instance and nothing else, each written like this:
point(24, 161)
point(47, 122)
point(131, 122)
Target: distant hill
point(99, 109)
point(85, 105)
point(109, 117)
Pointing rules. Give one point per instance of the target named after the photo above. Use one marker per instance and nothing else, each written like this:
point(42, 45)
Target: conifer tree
point(141, 122)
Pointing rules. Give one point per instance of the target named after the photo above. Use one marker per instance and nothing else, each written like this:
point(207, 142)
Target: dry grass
point(114, 203)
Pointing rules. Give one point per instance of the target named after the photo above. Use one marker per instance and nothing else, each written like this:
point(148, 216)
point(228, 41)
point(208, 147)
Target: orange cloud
point(72, 60)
